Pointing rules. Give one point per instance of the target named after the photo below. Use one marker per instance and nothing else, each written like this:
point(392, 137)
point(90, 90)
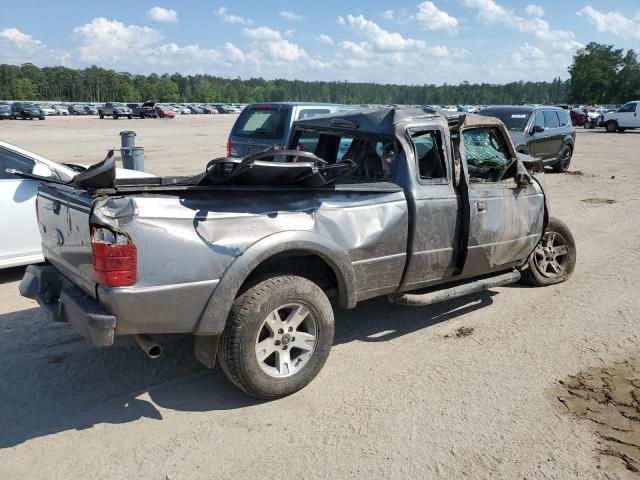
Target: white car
point(20, 240)
point(61, 109)
point(48, 110)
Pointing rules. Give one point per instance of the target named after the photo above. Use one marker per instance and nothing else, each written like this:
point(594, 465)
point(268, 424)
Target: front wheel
point(612, 127)
point(278, 337)
point(129, 117)
point(115, 116)
point(101, 116)
point(554, 258)
point(564, 159)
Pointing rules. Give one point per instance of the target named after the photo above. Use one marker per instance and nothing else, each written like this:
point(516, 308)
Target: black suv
point(26, 111)
point(543, 132)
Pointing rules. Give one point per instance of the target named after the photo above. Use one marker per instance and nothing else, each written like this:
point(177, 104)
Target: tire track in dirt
point(609, 398)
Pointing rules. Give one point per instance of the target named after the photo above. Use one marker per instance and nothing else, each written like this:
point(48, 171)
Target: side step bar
point(429, 298)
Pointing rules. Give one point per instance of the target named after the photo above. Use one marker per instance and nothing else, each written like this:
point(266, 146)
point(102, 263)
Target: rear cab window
point(374, 158)
point(312, 112)
point(262, 122)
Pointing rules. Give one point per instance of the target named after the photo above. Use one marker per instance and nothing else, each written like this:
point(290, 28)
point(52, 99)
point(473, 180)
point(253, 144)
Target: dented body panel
point(197, 246)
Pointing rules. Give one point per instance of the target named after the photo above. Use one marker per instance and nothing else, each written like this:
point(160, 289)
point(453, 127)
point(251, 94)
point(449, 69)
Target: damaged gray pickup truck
point(249, 255)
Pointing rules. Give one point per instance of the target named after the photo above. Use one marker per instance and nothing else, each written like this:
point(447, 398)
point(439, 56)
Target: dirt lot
point(514, 383)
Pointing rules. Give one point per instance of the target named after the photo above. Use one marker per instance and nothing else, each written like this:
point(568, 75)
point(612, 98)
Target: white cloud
point(223, 13)
point(388, 14)
point(382, 39)
point(433, 19)
point(535, 11)
point(383, 54)
point(528, 55)
point(105, 40)
point(17, 47)
point(162, 15)
point(288, 15)
point(234, 53)
point(492, 13)
point(326, 39)
point(261, 33)
point(619, 24)
point(20, 40)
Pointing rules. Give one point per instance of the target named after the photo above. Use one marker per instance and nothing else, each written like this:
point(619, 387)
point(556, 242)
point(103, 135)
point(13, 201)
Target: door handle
point(481, 207)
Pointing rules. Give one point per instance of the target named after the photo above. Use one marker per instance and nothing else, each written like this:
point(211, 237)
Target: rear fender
point(214, 316)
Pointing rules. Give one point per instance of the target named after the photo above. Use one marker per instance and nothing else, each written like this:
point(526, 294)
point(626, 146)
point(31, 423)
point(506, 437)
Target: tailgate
point(63, 218)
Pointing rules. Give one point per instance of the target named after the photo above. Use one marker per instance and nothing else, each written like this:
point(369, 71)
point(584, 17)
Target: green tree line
point(598, 74)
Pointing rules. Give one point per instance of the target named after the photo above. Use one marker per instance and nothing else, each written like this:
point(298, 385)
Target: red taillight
point(115, 258)
point(228, 148)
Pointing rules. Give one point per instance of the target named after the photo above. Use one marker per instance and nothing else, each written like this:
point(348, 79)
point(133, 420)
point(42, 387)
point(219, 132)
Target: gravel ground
point(483, 387)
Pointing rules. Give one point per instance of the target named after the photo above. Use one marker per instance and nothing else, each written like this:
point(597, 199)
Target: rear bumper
point(65, 302)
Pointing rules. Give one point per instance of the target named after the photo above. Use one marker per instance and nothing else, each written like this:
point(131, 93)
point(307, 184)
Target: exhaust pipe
point(148, 346)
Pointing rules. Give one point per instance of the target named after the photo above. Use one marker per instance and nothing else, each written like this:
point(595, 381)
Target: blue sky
point(409, 42)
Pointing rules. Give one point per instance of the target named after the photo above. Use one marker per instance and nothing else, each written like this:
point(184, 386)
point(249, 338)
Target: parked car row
point(28, 110)
point(21, 110)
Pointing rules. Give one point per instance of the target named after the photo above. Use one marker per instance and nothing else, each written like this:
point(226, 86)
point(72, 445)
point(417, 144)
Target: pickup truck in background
point(115, 110)
point(249, 255)
point(626, 117)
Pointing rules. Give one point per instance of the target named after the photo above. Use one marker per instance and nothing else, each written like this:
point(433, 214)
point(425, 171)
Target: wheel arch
point(251, 264)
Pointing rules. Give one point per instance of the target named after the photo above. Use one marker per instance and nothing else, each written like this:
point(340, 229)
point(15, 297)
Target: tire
point(540, 272)
point(256, 316)
point(101, 116)
point(115, 116)
point(611, 126)
point(129, 117)
point(621, 130)
point(564, 159)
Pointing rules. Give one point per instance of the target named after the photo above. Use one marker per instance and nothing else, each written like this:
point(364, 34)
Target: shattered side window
point(486, 154)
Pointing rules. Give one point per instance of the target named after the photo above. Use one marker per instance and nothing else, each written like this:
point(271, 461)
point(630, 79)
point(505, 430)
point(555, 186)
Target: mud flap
point(205, 349)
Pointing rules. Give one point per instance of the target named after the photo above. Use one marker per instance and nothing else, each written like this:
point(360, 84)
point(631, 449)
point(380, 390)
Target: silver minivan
point(265, 125)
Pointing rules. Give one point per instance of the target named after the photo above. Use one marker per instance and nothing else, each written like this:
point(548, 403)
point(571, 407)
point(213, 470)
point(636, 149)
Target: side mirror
point(537, 129)
point(523, 179)
point(42, 170)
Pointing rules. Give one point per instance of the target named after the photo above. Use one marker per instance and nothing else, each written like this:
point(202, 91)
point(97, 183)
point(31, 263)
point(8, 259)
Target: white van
point(626, 117)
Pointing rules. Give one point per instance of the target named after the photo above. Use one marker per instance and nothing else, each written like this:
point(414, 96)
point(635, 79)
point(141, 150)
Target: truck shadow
point(54, 381)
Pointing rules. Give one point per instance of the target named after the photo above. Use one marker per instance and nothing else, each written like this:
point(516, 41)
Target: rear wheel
point(554, 258)
point(101, 116)
point(129, 117)
point(278, 337)
point(115, 116)
point(564, 159)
